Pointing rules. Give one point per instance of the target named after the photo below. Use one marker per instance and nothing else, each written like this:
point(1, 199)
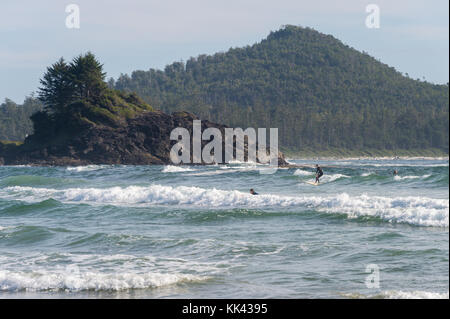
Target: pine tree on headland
point(57, 89)
point(88, 78)
point(75, 96)
point(64, 83)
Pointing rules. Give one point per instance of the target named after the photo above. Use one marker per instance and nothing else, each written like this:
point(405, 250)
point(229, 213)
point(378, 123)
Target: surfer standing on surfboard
point(319, 173)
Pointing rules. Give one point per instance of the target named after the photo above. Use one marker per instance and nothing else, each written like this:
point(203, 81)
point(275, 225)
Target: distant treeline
point(15, 122)
point(319, 92)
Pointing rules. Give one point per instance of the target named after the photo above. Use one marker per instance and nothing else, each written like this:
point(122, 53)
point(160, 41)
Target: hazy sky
point(138, 35)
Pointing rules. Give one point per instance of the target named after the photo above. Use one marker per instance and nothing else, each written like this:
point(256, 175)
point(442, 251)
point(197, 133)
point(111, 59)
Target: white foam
point(176, 169)
point(376, 158)
point(382, 163)
point(417, 210)
point(415, 295)
point(398, 294)
point(324, 178)
point(79, 281)
point(300, 172)
point(367, 174)
point(243, 162)
point(234, 169)
point(399, 178)
point(332, 177)
point(395, 165)
point(214, 172)
point(86, 168)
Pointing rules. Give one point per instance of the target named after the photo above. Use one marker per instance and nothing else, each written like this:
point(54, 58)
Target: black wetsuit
point(319, 173)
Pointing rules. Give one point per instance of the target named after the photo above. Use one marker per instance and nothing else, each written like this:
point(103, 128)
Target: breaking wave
point(415, 210)
point(399, 178)
point(86, 168)
point(300, 172)
point(398, 294)
point(80, 281)
point(176, 169)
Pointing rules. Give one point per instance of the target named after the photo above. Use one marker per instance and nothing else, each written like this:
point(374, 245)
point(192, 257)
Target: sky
point(413, 35)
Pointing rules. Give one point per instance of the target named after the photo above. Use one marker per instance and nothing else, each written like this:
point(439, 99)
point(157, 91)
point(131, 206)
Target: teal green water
point(194, 232)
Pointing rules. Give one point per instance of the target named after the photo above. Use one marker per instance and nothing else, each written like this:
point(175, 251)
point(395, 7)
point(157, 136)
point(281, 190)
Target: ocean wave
point(86, 168)
point(34, 180)
point(176, 169)
point(378, 158)
point(394, 164)
point(333, 177)
point(73, 281)
point(235, 169)
point(414, 295)
point(300, 172)
point(398, 294)
point(399, 178)
point(236, 162)
point(214, 172)
point(325, 178)
point(367, 174)
point(421, 211)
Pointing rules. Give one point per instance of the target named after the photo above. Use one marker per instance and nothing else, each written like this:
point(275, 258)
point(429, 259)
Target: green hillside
point(319, 92)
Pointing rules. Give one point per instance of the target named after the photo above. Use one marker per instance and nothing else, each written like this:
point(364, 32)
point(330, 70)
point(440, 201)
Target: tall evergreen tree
point(63, 83)
point(57, 89)
point(88, 78)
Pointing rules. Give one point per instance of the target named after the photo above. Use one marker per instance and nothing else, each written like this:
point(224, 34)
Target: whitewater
point(196, 232)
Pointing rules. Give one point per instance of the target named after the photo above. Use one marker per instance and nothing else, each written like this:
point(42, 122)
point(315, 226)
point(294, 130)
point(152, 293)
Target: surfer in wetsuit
point(319, 173)
point(395, 173)
point(252, 191)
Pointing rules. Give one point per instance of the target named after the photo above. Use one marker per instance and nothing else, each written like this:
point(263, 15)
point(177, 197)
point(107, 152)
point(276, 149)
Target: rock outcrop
point(142, 140)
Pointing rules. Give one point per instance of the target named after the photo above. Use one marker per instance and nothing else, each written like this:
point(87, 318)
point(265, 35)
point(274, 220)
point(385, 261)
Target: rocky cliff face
point(142, 140)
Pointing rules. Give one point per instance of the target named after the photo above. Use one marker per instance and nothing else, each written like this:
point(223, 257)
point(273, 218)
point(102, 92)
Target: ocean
point(117, 231)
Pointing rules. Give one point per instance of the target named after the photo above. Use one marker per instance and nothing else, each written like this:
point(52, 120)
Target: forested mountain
point(319, 92)
point(83, 122)
point(15, 123)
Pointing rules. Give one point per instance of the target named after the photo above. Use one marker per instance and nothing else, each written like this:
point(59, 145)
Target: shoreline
point(340, 154)
point(373, 158)
point(288, 159)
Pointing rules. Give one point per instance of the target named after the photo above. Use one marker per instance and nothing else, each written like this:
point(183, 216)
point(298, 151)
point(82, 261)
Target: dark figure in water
point(395, 172)
point(319, 173)
point(252, 191)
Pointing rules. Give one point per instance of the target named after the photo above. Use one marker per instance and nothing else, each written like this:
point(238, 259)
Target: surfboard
point(312, 183)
